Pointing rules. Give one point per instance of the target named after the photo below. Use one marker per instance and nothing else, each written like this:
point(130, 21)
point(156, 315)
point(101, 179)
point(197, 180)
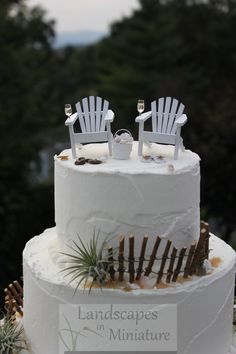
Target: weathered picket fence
point(14, 294)
point(167, 267)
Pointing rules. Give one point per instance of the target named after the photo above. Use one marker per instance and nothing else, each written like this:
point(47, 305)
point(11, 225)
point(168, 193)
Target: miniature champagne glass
point(68, 110)
point(140, 106)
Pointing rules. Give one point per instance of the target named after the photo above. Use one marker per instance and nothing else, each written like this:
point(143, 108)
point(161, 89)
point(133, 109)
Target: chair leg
point(176, 153)
point(72, 142)
point(177, 143)
point(182, 147)
point(109, 138)
point(110, 147)
point(140, 148)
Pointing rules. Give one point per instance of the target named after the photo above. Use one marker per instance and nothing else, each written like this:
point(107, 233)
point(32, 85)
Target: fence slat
point(153, 256)
point(14, 298)
point(111, 264)
point(142, 257)
point(121, 269)
point(199, 254)
point(131, 269)
point(205, 226)
point(189, 260)
point(171, 265)
point(179, 264)
point(163, 261)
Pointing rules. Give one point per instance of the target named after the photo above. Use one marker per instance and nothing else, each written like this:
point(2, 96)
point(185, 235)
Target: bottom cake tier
point(204, 304)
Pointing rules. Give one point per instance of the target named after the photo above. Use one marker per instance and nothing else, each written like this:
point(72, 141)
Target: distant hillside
point(81, 38)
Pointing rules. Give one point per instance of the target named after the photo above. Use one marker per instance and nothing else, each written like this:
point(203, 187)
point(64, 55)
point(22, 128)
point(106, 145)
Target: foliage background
point(179, 48)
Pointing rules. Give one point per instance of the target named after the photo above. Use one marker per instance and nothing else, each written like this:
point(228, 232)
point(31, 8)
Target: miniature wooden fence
point(14, 299)
point(171, 264)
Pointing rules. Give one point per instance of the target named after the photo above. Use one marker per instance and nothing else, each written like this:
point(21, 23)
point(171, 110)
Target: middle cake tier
point(154, 195)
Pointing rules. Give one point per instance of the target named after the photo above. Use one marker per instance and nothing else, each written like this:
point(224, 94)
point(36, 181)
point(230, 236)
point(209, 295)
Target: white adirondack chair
point(95, 121)
point(167, 120)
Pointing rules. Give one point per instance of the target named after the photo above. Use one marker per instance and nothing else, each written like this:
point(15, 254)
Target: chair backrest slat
point(92, 113)
point(86, 114)
point(81, 117)
point(154, 115)
point(166, 114)
point(172, 115)
point(98, 113)
point(178, 114)
point(104, 112)
point(160, 114)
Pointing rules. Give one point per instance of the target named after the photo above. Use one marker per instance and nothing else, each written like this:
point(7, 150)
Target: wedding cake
point(146, 203)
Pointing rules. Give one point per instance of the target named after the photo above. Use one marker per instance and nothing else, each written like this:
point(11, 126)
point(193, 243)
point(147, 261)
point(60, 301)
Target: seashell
point(146, 158)
point(159, 159)
point(117, 139)
point(171, 168)
point(63, 157)
point(146, 283)
point(207, 265)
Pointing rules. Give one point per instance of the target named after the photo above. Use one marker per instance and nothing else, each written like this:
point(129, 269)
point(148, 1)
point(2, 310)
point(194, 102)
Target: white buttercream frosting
point(128, 196)
point(153, 196)
point(204, 303)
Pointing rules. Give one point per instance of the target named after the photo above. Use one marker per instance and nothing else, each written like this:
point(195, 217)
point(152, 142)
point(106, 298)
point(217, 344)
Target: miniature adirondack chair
point(167, 120)
point(95, 121)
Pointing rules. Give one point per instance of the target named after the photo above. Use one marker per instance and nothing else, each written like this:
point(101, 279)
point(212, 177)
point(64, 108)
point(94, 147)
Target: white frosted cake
point(154, 196)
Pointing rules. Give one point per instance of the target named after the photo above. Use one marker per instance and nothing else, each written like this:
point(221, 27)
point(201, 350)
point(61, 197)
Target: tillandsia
point(88, 262)
point(11, 336)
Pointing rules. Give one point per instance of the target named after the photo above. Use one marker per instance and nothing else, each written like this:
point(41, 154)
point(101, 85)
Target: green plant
point(11, 336)
point(87, 261)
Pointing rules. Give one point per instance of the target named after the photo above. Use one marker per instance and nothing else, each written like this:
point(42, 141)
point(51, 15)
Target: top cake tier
point(123, 197)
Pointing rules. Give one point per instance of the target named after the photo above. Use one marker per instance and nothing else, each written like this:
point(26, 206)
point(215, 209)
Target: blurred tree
point(27, 109)
point(185, 49)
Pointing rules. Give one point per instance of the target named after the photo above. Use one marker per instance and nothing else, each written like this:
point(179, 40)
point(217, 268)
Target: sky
point(83, 15)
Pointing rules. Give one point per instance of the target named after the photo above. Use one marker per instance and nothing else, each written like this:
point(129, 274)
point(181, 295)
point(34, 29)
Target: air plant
point(88, 262)
point(11, 336)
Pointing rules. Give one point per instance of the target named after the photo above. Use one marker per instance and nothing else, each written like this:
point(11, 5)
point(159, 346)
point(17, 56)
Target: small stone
point(80, 161)
point(94, 161)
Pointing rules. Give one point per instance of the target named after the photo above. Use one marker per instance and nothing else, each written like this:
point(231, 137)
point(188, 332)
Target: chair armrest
point(181, 120)
point(143, 117)
point(109, 116)
point(72, 119)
